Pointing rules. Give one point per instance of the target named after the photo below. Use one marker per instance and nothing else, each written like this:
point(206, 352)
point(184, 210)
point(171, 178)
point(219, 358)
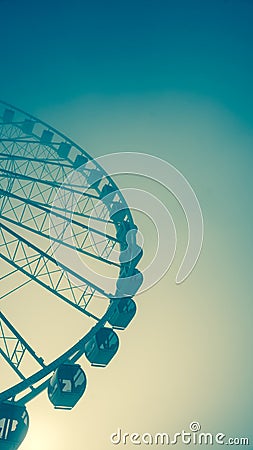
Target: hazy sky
point(55, 52)
point(173, 79)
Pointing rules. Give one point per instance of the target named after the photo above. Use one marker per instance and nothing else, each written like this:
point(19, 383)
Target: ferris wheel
point(41, 170)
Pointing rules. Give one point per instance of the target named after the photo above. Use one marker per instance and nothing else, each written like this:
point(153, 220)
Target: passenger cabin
point(123, 310)
point(123, 229)
point(14, 423)
point(64, 149)
point(27, 126)
point(127, 286)
point(109, 191)
point(101, 348)
point(46, 137)
point(108, 195)
point(80, 161)
point(67, 386)
point(94, 178)
point(8, 115)
point(117, 212)
point(123, 236)
point(129, 259)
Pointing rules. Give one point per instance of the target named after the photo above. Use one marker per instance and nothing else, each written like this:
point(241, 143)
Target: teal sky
point(54, 52)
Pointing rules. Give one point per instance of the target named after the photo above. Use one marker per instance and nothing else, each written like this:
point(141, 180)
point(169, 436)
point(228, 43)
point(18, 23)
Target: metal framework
point(35, 162)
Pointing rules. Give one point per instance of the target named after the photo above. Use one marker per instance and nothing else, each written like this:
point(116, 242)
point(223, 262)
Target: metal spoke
point(13, 346)
point(47, 199)
point(45, 267)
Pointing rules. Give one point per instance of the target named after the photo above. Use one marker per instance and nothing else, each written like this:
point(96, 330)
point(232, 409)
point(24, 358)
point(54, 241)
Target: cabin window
point(7, 425)
point(66, 385)
point(2, 421)
point(79, 379)
point(25, 418)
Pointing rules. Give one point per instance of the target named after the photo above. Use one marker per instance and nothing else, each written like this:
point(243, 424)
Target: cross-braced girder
point(36, 164)
point(13, 346)
point(46, 271)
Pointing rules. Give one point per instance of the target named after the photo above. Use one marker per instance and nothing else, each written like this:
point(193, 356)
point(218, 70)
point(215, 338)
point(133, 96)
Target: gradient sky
point(55, 52)
point(173, 79)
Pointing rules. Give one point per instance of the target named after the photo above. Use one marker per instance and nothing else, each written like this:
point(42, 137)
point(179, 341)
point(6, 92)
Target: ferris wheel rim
point(69, 140)
point(45, 371)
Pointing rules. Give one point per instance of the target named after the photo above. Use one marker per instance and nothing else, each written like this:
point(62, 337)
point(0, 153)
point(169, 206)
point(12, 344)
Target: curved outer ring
point(75, 352)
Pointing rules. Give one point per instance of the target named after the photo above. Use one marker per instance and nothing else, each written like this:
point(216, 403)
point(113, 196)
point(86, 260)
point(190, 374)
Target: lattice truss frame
point(35, 162)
